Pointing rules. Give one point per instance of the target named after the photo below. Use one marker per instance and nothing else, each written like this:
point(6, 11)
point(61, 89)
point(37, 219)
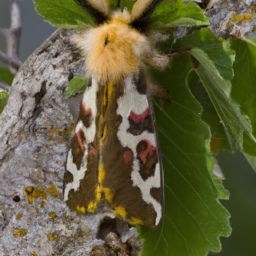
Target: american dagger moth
point(114, 158)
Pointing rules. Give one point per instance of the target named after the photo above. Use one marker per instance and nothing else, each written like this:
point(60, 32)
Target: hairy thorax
point(113, 50)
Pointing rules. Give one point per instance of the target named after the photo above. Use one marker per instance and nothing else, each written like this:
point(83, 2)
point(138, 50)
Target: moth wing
point(142, 9)
point(81, 189)
point(130, 164)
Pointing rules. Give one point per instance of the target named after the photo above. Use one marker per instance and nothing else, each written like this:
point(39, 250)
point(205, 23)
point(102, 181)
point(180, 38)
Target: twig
point(3, 31)
point(12, 36)
point(4, 86)
point(14, 63)
point(15, 29)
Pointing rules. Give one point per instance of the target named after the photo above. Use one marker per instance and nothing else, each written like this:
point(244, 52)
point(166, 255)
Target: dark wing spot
point(77, 151)
point(139, 128)
point(147, 156)
point(68, 177)
point(156, 194)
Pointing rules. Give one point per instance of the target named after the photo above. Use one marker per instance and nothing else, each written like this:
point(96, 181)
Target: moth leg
point(159, 91)
point(163, 61)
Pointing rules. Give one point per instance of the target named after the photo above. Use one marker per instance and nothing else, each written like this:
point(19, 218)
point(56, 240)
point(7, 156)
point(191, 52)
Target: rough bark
point(35, 130)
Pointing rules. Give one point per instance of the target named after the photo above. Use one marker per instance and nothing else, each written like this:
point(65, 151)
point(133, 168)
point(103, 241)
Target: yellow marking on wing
point(121, 211)
point(91, 207)
point(108, 194)
point(80, 209)
point(102, 173)
point(110, 88)
point(105, 130)
point(136, 221)
point(98, 192)
point(105, 97)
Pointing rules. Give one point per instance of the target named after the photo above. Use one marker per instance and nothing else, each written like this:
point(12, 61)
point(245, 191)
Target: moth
point(115, 157)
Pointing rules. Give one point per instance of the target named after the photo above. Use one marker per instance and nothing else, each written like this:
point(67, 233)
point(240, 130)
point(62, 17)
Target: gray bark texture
point(35, 129)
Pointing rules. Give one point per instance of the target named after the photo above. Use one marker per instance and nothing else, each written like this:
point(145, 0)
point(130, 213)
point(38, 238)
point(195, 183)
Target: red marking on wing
point(138, 118)
point(149, 150)
point(85, 110)
point(127, 156)
point(79, 138)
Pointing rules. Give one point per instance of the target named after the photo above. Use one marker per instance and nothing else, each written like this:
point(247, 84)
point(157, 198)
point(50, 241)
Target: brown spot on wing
point(140, 83)
point(156, 193)
point(85, 115)
point(77, 150)
point(147, 155)
point(68, 177)
point(139, 128)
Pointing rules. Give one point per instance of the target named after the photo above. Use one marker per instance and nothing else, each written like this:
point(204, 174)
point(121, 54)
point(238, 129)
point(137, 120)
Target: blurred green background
point(240, 177)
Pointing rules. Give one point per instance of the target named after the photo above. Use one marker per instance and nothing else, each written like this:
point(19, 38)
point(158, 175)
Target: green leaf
point(219, 140)
point(65, 14)
point(222, 192)
point(194, 218)
point(125, 3)
point(113, 4)
point(243, 89)
point(217, 49)
point(6, 76)
point(244, 82)
point(233, 122)
point(3, 100)
point(174, 13)
point(76, 85)
point(252, 160)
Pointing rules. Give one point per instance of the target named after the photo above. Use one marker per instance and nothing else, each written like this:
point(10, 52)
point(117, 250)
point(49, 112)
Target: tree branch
point(4, 86)
point(13, 39)
point(14, 63)
point(12, 36)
